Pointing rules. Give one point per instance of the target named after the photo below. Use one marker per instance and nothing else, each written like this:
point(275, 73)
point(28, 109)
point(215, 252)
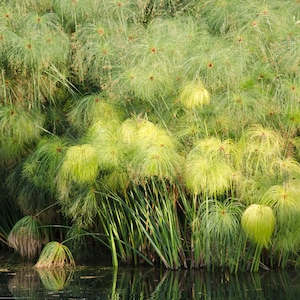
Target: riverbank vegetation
point(165, 131)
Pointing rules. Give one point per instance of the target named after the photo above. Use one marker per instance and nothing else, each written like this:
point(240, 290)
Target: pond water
point(25, 282)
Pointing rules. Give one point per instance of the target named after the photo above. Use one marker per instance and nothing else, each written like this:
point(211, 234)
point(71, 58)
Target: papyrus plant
point(258, 222)
point(27, 237)
point(55, 255)
point(193, 95)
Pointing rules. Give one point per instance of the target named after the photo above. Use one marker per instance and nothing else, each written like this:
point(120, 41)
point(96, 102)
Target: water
point(25, 282)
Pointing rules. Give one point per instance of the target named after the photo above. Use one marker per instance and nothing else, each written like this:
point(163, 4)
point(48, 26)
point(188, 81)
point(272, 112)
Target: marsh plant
point(166, 131)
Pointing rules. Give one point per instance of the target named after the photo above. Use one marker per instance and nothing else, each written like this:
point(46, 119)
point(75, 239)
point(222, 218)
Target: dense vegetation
point(166, 131)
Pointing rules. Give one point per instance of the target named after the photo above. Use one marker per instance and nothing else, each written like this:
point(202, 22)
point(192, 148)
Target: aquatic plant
point(168, 129)
point(27, 237)
point(55, 255)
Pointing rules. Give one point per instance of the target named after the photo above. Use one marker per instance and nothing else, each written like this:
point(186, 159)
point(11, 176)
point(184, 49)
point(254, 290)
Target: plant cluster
point(168, 131)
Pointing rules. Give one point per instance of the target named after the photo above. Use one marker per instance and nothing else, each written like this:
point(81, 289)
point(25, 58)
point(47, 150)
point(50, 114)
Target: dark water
point(25, 282)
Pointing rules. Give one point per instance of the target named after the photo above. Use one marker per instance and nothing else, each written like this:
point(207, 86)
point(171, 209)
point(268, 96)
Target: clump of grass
point(80, 164)
point(193, 95)
point(258, 221)
point(105, 138)
point(208, 168)
point(154, 151)
point(80, 203)
point(14, 119)
point(73, 12)
point(221, 226)
point(55, 255)
point(284, 199)
point(27, 237)
point(93, 108)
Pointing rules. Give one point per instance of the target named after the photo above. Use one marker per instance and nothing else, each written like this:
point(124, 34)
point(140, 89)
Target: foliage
point(55, 255)
point(258, 221)
point(169, 130)
point(27, 237)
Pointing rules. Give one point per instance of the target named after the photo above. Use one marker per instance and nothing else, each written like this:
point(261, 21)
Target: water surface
point(25, 282)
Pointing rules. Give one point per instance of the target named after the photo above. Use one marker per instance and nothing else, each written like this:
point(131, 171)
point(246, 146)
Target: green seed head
point(258, 222)
point(194, 95)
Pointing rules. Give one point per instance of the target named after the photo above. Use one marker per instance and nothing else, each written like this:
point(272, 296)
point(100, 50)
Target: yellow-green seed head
point(80, 164)
point(194, 95)
point(258, 222)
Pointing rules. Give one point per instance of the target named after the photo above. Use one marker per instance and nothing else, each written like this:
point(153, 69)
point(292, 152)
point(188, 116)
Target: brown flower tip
point(100, 31)
point(265, 12)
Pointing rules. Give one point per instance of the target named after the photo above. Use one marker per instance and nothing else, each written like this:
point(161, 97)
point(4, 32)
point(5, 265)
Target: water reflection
point(127, 283)
point(56, 279)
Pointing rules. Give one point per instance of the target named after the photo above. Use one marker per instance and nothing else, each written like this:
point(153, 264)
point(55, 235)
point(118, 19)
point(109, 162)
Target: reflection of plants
point(25, 283)
point(55, 279)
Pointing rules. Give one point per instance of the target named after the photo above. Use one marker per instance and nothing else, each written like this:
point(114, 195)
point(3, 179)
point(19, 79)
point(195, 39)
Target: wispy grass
point(27, 237)
point(79, 164)
point(55, 255)
point(208, 167)
point(258, 221)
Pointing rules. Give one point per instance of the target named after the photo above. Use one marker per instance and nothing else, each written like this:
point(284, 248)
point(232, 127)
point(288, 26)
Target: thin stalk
point(256, 259)
point(113, 248)
point(3, 239)
point(207, 242)
point(4, 87)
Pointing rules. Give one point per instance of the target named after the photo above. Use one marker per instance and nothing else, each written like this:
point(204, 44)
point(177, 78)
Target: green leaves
point(80, 164)
point(27, 237)
point(14, 120)
point(154, 152)
point(184, 111)
point(208, 168)
point(194, 95)
point(284, 199)
point(258, 221)
point(55, 255)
